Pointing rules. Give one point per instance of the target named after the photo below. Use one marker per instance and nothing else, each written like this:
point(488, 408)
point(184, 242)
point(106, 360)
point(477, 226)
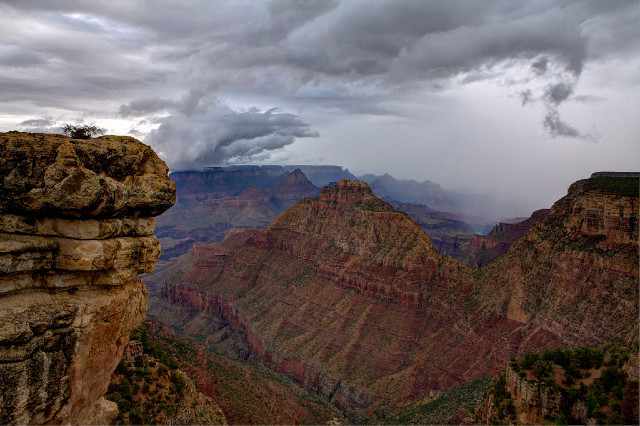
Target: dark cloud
point(557, 93)
point(212, 133)
point(526, 96)
point(37, 122)
point(136, 133)
point(146, 106)
point(280, 46)
point(162, 63)
point(540, 66)
point(558, 128)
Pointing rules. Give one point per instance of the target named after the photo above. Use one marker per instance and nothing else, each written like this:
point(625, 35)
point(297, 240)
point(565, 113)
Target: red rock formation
point(217, 200)
point(348, 297)
point(484, 248)
point(575, 273)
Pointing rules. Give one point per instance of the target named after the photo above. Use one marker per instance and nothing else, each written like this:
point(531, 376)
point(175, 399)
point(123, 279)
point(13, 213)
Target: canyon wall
point(479, 250)
point(76, 229)
point(576, 272)
point(349, 297)
point(212, 201)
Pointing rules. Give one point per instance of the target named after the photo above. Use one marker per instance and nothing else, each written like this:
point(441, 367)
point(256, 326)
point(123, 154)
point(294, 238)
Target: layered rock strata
point(76, 229)
point(348, 296)
point(575, 273)
point(218, 199)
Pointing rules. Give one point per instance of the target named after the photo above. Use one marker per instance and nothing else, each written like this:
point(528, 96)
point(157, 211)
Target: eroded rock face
point(349, 297)
point(76, 228)
point(220, 198)
point(576, 272)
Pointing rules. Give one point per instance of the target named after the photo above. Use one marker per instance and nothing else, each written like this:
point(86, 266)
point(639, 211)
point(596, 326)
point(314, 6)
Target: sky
point(516, 99)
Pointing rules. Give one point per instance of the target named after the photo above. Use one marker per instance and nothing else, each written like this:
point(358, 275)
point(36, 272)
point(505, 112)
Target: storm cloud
point(211, 133)
point(199, 71)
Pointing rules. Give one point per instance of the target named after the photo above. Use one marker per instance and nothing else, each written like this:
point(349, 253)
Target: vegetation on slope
point(572, 386)
point(246, 391)
point(456, 405)
point(623, 186)
point(152, 390)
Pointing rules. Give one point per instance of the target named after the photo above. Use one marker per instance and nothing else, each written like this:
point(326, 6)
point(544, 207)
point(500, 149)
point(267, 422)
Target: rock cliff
point(151, 392)
point(212, 201)
point(576, 272)
point(76, 229)
point(570, 386)
point(348, 296)
point(479, 250)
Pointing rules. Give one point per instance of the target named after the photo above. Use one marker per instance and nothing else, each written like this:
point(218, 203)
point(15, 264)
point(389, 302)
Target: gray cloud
point(37, 122)
point(136, 133)
point(146, 106)
point(211, 133)
point(383, 44)
point(557, 93)
point(558, 128)
point(12, 57)
point(540, 66)
point(405, 65)
point(588, 98)
point(526, 96)
point(40, 125)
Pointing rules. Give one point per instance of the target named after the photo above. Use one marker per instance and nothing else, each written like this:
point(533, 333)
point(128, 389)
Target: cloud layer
point(208, 132)
point(200, 78)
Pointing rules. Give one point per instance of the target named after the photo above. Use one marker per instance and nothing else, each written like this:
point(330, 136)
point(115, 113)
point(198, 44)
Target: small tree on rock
point(82, 131)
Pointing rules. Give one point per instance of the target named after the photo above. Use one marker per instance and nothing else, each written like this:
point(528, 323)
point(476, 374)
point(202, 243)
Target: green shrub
point(543, 369)
point(178, 381)
point(135, 416)
point(528, 360)
point(125, 389)
point(139, 361)
point(121, 368)
point(82, 131)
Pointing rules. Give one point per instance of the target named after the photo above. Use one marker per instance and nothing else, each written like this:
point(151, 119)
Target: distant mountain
point(411, 191)
point(323, 175)
point(448, 232)
point(477, 209)
point(216, 199)
point(484, 248)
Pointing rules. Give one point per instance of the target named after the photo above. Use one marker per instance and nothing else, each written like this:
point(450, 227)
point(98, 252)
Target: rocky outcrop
point(573, 386)
point(76, 228)
point(576, 272)
point(479, 250)
point(217, 199)
point(534, 402)
point(349, 297)
point(342, 293)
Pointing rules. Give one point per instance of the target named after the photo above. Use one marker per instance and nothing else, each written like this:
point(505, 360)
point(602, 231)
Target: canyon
point(76, 229)
point(349, 297)
point(221, 198)
point(342, 306)
point(218, 199)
